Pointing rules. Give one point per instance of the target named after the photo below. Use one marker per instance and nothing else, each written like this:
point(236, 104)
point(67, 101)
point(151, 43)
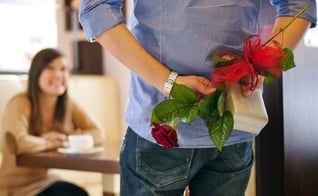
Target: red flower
point(256, 60)
point(165, 135)
point(269, 59)
point(231, 73)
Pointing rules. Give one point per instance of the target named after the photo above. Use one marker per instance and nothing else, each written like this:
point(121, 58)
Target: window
point(311, 38)
point(26, 27)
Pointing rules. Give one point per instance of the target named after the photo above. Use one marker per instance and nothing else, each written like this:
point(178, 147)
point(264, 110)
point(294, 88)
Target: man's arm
point(291, 36)
point(123, 46)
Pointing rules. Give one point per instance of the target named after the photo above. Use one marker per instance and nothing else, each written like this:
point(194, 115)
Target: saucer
point(93, 150)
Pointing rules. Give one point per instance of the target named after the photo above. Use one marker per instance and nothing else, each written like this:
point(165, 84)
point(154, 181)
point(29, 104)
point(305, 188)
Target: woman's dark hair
point(39, 62)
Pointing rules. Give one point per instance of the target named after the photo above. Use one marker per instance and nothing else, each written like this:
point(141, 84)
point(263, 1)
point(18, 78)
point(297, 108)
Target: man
point(171, 42)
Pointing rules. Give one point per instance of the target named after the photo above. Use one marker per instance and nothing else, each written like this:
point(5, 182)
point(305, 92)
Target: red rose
point(269, 59)
point(165, 135)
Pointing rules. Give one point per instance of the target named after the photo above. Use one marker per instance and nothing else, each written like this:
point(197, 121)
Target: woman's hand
point(55, 139)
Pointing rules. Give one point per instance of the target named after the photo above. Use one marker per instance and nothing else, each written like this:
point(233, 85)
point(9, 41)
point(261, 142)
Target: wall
point(300, 124)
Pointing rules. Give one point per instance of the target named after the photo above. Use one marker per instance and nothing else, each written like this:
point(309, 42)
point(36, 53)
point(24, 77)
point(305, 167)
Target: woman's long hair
point(39, 62)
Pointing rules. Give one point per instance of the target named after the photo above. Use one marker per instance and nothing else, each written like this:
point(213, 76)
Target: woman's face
point(53, 79)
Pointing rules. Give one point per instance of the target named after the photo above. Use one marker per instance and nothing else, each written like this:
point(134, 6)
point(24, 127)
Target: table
point(104, 162)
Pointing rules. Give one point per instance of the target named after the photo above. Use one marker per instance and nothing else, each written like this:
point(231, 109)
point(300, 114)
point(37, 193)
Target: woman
point(40, 119)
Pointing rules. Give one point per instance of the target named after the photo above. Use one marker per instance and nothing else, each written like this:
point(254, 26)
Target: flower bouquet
point(220, 109)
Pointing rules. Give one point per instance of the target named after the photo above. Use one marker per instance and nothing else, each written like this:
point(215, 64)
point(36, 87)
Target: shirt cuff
point(98, 19)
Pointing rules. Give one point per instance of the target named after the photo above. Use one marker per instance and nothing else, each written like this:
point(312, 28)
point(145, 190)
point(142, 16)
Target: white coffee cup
point(80, 142)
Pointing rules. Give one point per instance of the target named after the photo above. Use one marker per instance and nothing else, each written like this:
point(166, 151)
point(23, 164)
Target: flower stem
point(286, 26)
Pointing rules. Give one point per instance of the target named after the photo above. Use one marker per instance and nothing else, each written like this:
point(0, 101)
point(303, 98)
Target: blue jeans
point(148, 169)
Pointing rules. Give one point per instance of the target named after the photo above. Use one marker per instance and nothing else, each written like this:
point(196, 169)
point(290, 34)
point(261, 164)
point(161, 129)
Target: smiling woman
point(40, 119)
point(36, 34)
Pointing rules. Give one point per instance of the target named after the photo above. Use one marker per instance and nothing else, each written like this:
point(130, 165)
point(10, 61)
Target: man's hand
point(199, 84)
point(246, 83)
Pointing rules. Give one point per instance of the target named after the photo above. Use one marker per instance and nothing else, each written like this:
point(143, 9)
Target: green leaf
point(221, 103)
point(214, 116)
point(169, 110)
point(288, 62)
point(165, 111)
point(208, 105)
point(221, 59)
point(269, 79)
point(221, 129)
point(188, 113)
point(183, 94)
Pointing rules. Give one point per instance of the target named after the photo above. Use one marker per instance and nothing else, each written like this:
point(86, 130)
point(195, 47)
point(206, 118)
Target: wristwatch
point(169, 83)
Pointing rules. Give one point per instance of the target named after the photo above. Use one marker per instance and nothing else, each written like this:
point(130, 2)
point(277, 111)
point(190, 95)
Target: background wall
point(300, 97)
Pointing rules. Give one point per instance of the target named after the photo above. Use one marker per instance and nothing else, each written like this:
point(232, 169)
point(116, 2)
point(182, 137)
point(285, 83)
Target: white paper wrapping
point(249, 112)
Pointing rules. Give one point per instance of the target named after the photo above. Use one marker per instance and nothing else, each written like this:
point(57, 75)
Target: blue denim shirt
point(182, 34)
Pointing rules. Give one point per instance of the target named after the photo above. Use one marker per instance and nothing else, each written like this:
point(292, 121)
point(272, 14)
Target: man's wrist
point(169, 83)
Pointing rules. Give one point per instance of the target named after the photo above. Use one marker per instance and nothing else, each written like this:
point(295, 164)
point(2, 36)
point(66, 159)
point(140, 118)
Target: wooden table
point(104, 162)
